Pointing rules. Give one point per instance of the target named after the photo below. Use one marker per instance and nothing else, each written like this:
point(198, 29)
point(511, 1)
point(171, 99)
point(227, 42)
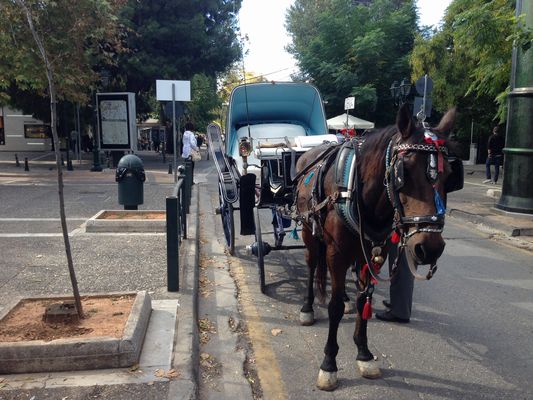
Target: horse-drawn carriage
point(354, 200)
point(269, 126)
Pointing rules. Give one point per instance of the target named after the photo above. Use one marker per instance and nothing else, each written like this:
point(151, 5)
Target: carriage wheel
point(226, 213)
point(260, 251)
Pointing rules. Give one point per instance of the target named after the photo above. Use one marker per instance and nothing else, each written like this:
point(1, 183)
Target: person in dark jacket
point(495, 147)
point(401, 290)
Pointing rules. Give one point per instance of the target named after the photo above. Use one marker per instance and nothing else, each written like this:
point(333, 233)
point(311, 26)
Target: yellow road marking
point(265, 359)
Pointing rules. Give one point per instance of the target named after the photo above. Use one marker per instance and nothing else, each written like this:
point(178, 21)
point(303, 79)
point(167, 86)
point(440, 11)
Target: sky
point(263, 21)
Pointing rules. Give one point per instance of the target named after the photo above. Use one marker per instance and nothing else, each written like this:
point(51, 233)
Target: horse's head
point(417, 182)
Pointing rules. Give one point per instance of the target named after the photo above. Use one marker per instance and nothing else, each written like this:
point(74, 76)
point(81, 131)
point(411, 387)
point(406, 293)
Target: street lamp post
point(517, 191)
point(400, 92)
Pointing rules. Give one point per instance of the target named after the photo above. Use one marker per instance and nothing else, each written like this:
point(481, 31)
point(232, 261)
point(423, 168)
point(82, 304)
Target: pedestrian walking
point(495, 147)
point(189, 144)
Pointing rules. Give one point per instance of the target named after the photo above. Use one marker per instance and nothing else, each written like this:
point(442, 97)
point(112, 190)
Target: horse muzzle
point(426, 248)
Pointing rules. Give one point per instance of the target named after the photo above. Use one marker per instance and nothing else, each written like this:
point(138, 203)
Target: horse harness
point(405, 227)
point(347, 198)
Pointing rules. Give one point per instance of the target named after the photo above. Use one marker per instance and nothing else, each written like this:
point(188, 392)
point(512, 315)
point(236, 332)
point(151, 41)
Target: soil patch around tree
point(158, 215)
point(104, 316)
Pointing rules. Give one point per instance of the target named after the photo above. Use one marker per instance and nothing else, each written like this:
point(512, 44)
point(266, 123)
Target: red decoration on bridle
point(437, 143)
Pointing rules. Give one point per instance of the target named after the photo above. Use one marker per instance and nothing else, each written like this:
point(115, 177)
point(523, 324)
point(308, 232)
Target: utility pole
point(517, 191)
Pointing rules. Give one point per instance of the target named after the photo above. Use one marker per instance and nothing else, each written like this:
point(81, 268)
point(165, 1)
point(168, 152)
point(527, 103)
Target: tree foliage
point(204, 104)
point(75, 35)
point(175, 40)
point(353, 50)
point(469, 59)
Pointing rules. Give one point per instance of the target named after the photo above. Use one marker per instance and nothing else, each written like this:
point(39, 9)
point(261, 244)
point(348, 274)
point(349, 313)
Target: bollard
point(62, 161)
point(183, 206)
point(26, 165)
point(172, 244)
point(188, 184)
point(17, 163)
point(170, 169)
point(96, 160)
point(69, 165)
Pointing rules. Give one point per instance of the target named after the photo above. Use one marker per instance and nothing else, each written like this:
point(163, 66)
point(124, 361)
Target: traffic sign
point(419, 101)
point(349, 103)
point(424, 82)
point(164, 89)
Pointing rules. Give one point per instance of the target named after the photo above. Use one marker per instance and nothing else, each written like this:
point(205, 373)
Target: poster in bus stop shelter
point(116, 121)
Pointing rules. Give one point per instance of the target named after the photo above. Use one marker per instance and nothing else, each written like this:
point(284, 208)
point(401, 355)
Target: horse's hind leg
point(368, 367)
point(313, 255)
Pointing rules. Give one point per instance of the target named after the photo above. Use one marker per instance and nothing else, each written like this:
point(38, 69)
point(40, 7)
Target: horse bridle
point(394, 180)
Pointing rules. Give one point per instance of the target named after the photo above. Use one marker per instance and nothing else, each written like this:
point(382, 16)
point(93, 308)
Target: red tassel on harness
point(367, 309)
point(395, 238)
point(364, 271)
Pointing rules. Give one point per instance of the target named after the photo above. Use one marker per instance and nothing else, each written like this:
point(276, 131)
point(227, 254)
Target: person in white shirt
point(189, 144)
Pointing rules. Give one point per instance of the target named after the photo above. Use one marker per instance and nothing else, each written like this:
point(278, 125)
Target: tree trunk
point(53, 123)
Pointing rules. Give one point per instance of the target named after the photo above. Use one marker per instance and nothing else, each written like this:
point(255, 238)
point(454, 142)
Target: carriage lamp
point(245, 147)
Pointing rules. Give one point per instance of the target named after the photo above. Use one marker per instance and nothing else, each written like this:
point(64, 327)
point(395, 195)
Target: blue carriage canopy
point(275, 102)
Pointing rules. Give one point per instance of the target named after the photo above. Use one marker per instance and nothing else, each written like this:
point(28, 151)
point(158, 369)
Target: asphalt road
point(469, 336)
point(33, 260)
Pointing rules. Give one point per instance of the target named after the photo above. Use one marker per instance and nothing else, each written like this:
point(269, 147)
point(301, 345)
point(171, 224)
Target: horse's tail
point(321, 273)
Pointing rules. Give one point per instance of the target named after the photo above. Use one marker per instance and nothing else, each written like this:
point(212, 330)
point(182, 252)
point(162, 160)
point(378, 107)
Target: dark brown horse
point(396, 185)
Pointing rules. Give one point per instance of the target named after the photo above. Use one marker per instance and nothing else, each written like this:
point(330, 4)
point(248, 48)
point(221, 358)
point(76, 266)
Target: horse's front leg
point(368, 367)
point(327, 376)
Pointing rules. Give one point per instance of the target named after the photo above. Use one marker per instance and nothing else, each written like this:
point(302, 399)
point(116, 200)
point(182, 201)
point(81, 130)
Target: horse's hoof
point(349, 307)
point(327, 380)
point(307, 318)
point(369, 369)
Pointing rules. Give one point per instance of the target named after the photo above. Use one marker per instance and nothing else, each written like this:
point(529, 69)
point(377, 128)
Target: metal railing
point(177, 208)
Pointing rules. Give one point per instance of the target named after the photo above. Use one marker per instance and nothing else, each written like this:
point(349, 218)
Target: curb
point(74, 353)
point(186, 350)
point(483, 222)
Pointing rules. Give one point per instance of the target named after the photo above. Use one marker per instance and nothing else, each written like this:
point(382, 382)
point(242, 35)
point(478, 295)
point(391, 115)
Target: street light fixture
point(394, 88)
point(405, 87)
point(400, 92)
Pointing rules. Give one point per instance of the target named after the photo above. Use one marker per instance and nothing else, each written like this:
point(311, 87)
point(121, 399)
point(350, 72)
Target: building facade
point(20, 132)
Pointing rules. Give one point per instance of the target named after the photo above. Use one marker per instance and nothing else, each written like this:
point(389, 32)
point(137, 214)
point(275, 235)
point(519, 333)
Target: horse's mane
point(374, 148)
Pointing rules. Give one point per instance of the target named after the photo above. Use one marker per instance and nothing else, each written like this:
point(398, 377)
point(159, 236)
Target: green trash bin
point(130, 177)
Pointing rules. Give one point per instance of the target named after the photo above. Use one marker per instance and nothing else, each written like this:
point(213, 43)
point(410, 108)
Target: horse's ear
point(447, 122)
point(404, 121)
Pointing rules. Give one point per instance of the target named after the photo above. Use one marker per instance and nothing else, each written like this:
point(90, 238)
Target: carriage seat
point(272, 149)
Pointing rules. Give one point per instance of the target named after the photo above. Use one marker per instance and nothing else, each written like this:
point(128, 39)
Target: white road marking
point(41, 219)
point(77, 232)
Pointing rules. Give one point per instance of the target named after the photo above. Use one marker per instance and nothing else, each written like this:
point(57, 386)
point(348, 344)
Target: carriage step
point(251, 249)
point(227, 177)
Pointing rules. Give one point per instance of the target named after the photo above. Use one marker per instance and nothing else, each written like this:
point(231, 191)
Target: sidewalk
point(104, 263)
point(475, 204)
